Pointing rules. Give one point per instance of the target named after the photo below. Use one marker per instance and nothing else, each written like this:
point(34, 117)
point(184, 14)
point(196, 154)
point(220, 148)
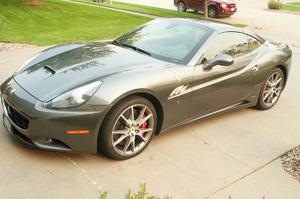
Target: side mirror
point(221, 59)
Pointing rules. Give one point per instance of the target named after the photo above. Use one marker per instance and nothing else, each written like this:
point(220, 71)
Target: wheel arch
point(213, 6)
point(183, 1)
point(141, 93)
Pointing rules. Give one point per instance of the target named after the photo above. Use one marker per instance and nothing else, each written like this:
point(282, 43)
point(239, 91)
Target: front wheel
point(181, 7)
point(212, 12)
point(271, 90)
point(128, 128)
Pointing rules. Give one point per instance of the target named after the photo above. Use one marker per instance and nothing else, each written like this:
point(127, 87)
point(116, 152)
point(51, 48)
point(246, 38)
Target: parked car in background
point(216, 8)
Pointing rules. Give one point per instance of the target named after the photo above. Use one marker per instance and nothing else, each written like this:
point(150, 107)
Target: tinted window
point(230, 43)
point(170, 40)
point(253, 43)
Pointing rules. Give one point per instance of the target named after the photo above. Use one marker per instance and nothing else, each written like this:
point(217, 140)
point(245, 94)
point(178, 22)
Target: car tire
point(181, 7)
point(212, 12)
point(271, 91)
point(115, 122)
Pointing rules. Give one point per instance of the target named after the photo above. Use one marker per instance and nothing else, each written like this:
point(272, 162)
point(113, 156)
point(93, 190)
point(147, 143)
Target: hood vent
point(50, 69)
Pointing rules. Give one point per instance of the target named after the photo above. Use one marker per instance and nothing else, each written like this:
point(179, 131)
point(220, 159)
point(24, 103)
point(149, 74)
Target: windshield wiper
point(132, 47)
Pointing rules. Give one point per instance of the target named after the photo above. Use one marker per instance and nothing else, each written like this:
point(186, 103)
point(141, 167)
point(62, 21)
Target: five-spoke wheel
point(128, 128)
point(271, 90)
point(133, 129)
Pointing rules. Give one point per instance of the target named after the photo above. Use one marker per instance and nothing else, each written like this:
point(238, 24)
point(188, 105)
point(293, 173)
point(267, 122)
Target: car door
point(223, 86)
point(196, 4)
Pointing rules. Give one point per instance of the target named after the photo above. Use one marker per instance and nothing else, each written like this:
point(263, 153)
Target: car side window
point(234, 44)
point(253, 43)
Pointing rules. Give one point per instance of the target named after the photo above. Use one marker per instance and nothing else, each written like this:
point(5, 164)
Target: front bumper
point(227, 11)
point(47, 128)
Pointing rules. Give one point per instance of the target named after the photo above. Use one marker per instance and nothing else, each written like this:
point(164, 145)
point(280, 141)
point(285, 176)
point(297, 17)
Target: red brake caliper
point(144, 125)
point(266, 88)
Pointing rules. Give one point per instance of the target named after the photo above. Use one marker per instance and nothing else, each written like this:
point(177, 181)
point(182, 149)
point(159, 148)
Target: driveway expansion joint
point(245, 176)
point(82, 170)
point(223, 152)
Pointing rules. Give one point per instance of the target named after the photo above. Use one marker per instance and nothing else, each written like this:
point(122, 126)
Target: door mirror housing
point(220, 59)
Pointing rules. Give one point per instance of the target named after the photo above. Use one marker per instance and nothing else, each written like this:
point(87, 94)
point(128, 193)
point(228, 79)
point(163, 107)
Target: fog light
point(42, 140)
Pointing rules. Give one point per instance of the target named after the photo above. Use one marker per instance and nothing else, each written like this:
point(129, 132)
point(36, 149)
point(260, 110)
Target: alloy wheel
point(212, 12)
point(272, 89)
point(133, 129)
point(181, 7)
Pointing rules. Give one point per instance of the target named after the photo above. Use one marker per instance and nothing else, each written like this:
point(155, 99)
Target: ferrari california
point(112, 97)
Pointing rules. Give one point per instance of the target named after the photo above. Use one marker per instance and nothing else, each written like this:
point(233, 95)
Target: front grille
point(16, 117)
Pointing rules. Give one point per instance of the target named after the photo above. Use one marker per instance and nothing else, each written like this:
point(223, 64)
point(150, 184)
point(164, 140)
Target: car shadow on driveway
point(164, 138)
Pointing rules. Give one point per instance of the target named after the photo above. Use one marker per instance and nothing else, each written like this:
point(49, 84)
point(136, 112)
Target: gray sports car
point(112, 97)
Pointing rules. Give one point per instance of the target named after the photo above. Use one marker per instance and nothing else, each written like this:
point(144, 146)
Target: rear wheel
point(212, 12)
point(271, 90)
point(128, 128)
point(181, 7)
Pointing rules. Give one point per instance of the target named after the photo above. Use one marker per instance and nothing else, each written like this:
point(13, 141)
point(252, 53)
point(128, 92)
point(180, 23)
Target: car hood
point(63, 68)
point(224, 1)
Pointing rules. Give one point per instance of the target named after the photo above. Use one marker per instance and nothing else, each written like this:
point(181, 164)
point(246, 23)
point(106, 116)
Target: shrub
point(141, 194)
point(274, 4)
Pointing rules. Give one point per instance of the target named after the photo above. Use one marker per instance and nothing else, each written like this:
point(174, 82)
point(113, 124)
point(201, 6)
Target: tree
point(205, 9)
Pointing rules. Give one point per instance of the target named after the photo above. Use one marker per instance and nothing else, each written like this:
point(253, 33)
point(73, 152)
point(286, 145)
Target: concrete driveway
point(233, 154)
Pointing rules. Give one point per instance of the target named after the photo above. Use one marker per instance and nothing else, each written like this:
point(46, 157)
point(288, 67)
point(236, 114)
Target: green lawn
point(55, 22)
point(159, 12)
point(295, 6)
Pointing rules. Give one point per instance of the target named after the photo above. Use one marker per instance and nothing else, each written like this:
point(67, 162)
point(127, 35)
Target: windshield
point(174, 41)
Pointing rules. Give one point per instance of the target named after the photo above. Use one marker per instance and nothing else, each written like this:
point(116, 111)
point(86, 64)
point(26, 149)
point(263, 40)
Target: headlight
point(223, 5)
point(75, 97)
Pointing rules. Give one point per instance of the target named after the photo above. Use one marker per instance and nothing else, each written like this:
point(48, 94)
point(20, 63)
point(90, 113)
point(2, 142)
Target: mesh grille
point(16, 117)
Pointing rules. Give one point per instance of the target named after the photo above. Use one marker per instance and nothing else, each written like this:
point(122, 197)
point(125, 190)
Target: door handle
point(254, 68)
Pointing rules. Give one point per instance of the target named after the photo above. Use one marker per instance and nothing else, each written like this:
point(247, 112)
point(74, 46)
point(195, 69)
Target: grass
point(54, 22)
point(154, 11)
point(295, 3)
point(240, 25)
point(294, 7)
point(49, 22)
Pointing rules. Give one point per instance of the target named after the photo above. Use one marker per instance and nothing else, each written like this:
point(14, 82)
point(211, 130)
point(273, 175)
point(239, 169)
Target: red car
point(216, 8)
